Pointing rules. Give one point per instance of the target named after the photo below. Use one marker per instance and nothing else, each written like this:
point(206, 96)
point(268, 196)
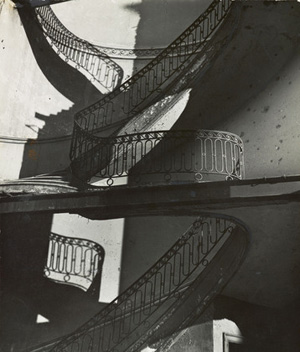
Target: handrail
point(144, 87)
point(166, 156)
point(142, 310)
point(83, 54)
point(73, 261)
point(206, 248)
point(155, 73)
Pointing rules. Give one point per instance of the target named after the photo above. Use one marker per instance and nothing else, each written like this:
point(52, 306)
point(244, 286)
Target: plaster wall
point(25, 90)
point(194, 339)
point(109, 234)
point(130, 24)
point(269, 125)
point(221, 327)
point(251, 90)
point(267, 277)
point(39, 95)
point(131, 32)
point(8, 147)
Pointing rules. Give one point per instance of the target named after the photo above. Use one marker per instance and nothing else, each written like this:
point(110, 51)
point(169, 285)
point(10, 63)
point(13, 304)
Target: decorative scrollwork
point(169, 156)
point(87, 57)
point(73, 261)
point(198, 177)
point(134, 95)
point(153, 299)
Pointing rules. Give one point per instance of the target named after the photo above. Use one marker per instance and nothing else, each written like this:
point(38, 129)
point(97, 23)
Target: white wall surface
point(122, 24)
point(109, 234)
point(24, 89)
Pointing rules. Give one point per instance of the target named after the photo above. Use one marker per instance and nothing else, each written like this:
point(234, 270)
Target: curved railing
point(165, 157)
point(85, 56)
point(180, 285)
point(73, 261)
point(147, 85)
point(171, 294)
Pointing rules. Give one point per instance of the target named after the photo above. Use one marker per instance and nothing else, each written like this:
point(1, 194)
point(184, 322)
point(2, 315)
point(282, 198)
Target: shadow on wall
point(24, 245)
point(45, 157)
point(162, 21)
point(276, 330)
point(261, 46)
point(249, 41)
point(25, 238)
point(263, 43)
point(25, 292)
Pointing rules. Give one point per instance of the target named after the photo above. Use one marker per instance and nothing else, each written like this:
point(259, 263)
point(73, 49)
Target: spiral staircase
point(171, 295)
point(115, 134)
point(120, 137)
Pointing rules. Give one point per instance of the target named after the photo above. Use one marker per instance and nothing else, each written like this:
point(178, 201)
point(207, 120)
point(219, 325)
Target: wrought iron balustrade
point(171, 294)
point(143, 88)
point(163, 157)
point(73, 261)
point(85, 56)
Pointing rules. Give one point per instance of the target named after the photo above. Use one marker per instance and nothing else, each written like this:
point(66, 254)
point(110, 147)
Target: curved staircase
point(119, 136)
point(171, 295)
point(113, 135)
point(85, 57)
point(129, 108)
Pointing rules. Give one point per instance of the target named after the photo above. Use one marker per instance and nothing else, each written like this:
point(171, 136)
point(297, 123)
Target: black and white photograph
point(149, 176)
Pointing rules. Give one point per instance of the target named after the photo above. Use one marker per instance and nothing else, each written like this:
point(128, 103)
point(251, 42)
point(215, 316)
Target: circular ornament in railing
point(205, 262)
point(146, 324)
point(182, 240)
point(148, 276)
point(157, 267)
point(175, 294)
point(110, 182)
point(182, 43)
point(197, 224)
point(136, 286)
point(198, 177)
point(167, 177)
point(164, 260)
point(199, 134)
point(187, 236)
point(169, 50)
point(171, 253)
point(47, 272)
point(142, 280)
point(67, 277)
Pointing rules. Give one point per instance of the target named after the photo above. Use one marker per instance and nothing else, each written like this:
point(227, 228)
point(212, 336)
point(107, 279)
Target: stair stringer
point(145, 88)
point(135, 319)
point(103, 72)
